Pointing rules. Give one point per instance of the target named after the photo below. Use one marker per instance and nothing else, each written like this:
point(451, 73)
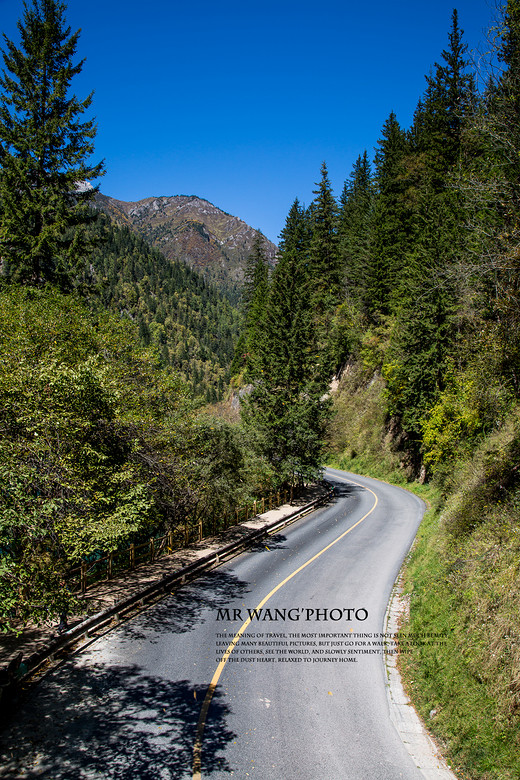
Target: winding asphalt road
point(186, 691)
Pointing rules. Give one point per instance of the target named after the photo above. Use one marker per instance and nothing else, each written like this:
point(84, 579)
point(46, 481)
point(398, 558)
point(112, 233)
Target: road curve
point(193, 688)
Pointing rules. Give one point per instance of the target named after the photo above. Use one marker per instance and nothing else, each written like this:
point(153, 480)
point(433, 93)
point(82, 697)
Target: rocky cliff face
point(192, 230)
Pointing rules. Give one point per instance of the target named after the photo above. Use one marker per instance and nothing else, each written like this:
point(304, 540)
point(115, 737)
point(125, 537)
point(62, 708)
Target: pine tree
point(323, 254)
point(355, 229)
point(448, 100)
point(391, 228)
point(426, 331)
point(287, 407)
point(289, 313)
point(493, 194)
point(44, 149)
point(256, 289)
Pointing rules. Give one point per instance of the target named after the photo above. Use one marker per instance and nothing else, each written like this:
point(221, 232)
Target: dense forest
point(413, 271)
point(192, 327)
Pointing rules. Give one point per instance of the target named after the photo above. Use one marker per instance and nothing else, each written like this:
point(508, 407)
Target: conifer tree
point(390, 218)
point(44, 148)
point(492, 192)
point(287, 407)
point(256, 289)
point(323, 253)
point(440, 116)
point(355, 229)
point(289, 317)
point(426, 331)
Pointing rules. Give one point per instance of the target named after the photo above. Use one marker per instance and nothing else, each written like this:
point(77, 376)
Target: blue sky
point(240, 102)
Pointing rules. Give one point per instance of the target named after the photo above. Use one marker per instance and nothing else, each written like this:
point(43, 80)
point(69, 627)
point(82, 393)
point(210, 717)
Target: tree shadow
point(343, 490)
point(269, 543)
point(113, 724)
point(187, 608)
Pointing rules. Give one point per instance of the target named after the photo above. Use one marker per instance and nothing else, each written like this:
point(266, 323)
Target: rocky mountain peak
point(193, 230)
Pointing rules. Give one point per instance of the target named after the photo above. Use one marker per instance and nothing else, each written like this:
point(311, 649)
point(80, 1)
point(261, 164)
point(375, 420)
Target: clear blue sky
point(240, 102)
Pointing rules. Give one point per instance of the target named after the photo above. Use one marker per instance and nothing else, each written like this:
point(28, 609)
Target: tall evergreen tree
point(493, 194)
point(323, 252)
point(44, 149)
point(449, 98)
point(256, 290)
point(426, 331)
point(290, 319)
point(287, 407)
point(391, 219)
point(355, 229)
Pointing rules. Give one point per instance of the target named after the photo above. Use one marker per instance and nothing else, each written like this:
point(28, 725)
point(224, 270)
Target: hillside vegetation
point(193, 231)
point(100, 444)
point(190, 325)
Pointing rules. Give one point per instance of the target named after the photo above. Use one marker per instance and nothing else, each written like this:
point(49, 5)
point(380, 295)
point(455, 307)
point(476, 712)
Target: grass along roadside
point(467, 687)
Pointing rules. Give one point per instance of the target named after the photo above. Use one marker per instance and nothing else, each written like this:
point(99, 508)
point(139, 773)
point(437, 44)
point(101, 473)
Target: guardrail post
point(200, 530)
point(83, 577)
point(170, 541)
point(152, 550)
point(110, 558)
point(132, 555)
point(254, 509)
point(263, 506)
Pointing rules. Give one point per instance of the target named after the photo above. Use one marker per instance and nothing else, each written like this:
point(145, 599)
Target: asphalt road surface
point(193, 688)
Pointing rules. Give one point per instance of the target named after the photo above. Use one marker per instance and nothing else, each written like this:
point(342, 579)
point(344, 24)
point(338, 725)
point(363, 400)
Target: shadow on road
point(344, 490)
point(187, 607)
point(117, 723)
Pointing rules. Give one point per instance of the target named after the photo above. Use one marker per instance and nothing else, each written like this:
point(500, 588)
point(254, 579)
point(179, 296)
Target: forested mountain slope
point(183, 317)
point(194, 231)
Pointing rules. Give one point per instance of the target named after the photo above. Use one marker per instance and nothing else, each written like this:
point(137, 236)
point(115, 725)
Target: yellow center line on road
point(197, 748)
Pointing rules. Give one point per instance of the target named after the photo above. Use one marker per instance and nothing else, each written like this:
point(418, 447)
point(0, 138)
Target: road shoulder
point(403, 715)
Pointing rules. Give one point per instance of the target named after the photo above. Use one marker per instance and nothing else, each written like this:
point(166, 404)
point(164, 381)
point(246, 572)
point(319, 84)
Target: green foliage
point(391, 226)
point(323, 257)
point(44, 150)
point(98, 444)
point(254, 303)
point(355, 227)
point(469, 407)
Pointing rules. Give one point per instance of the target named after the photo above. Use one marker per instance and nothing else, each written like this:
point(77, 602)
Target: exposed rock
point(237, 396)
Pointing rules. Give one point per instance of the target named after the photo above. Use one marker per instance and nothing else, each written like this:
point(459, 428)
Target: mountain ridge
point(193, 230)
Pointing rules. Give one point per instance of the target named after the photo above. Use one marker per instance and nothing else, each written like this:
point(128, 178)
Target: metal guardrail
point(8, 678)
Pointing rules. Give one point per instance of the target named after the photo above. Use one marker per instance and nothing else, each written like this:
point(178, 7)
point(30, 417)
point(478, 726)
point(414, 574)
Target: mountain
point(192, 230)
point(180, 315)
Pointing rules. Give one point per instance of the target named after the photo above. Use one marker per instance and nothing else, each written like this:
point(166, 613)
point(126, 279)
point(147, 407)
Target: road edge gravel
point(403, 715)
